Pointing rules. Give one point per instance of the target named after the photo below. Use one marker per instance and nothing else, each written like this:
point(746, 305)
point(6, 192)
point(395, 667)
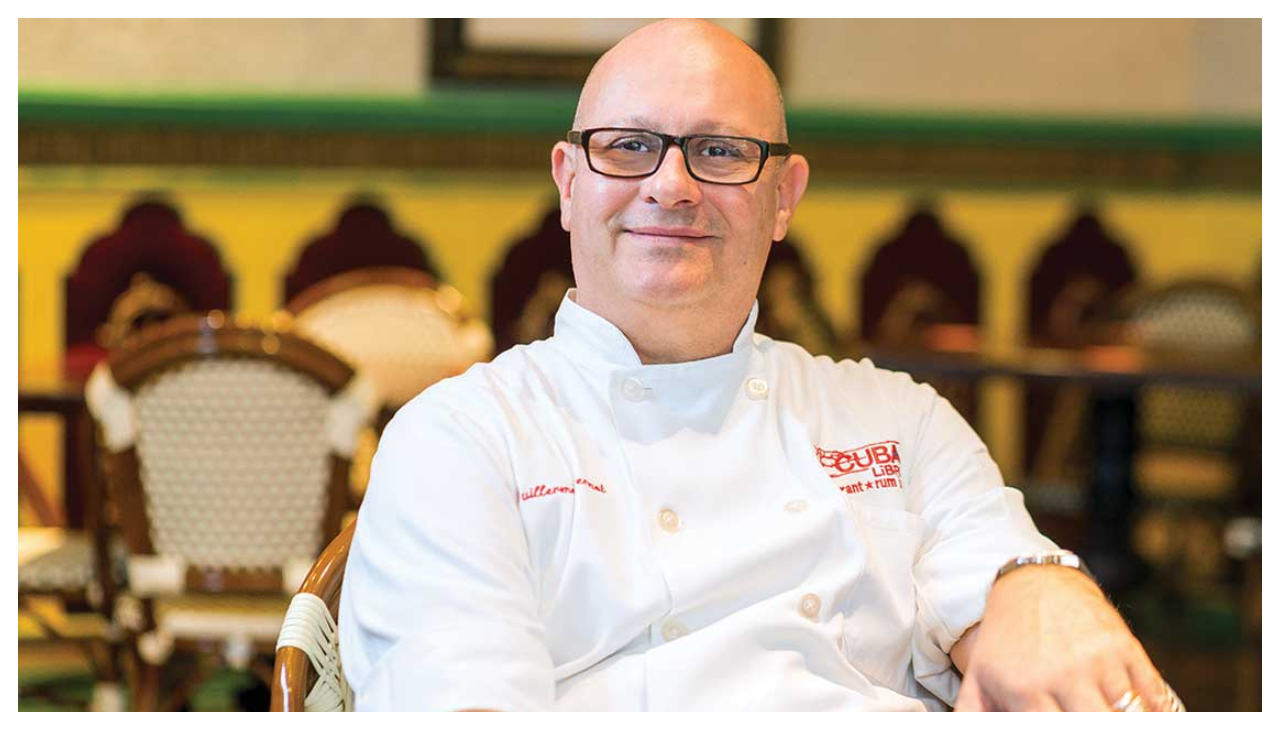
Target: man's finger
point(969, 698)
point(1147, 681)
point(1112, 685)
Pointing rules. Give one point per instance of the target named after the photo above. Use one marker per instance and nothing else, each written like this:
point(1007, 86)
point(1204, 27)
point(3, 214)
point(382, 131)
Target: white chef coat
point(568, 528)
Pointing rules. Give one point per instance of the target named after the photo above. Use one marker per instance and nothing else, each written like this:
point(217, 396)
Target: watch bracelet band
point(1064, 558)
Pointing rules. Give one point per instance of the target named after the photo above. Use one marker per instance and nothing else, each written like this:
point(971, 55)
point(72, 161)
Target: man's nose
point(671, 186)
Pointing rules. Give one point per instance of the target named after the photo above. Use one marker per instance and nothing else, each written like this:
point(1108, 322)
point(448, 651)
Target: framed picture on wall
point(550, 52)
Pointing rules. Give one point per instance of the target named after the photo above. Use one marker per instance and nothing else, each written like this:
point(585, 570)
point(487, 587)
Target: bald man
point(657, 509)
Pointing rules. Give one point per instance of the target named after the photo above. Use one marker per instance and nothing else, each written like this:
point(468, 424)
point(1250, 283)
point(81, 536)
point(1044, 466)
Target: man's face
point(668, 240)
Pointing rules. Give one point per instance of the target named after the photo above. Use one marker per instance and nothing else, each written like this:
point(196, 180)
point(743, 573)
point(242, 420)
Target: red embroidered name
point(543, 490)
point(878, 462)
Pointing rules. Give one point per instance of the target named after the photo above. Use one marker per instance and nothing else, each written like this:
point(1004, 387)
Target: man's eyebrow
point(699, 127)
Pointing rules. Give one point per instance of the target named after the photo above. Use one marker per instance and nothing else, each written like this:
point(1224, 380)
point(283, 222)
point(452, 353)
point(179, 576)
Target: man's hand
point(1050, 640)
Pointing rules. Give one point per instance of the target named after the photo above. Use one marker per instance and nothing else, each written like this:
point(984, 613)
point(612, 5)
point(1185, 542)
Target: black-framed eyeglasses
point(709, 158)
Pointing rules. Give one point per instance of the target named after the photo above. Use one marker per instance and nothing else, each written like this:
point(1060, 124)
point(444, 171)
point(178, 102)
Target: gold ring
point(1130, 701)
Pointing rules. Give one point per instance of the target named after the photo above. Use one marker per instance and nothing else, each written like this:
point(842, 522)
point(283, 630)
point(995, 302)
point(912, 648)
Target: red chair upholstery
point(153, 240)
point(364, 237)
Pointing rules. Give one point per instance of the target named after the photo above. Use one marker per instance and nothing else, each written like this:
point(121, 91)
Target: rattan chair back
point(308, 672)
point(1203, 319)
point(399, 326)
point(227, 452)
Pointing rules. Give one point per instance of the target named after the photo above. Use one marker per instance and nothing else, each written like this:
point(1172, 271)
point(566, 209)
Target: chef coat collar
point(589, 334)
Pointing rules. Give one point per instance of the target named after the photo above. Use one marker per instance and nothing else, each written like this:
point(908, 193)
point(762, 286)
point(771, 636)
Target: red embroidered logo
point(879, 462)
point(543, 490)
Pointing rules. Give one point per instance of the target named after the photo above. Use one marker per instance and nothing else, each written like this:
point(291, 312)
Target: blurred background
point(1056, 222)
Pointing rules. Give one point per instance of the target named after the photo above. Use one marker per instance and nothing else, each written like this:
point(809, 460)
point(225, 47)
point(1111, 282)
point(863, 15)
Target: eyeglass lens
point(633, 154)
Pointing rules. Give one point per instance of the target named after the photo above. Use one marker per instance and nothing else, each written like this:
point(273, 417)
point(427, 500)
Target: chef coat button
point(757, 389)
point(810, 605)
point(669, 520)
point(796, 505)
point(673, 630)
point(633, 389)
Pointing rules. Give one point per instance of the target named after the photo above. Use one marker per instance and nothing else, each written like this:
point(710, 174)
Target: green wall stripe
point(544, 113)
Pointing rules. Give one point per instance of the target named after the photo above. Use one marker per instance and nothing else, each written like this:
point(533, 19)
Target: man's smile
point(669, 234)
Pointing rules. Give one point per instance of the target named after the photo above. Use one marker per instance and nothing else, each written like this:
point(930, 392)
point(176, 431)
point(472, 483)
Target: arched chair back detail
point(1077, 282)
point(146, 302)
point(227, 453)
point(789, 307)
point(921, 291)
point(526, 289)
point(364, 237)
point(151, 240)
point(920, 277)
point(308, 671)
point(402, 329)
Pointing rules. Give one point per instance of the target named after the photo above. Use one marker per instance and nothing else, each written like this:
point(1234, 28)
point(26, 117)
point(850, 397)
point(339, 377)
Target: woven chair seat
point(55, 560)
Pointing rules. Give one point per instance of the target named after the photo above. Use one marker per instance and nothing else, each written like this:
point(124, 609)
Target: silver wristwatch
point(1065, 558)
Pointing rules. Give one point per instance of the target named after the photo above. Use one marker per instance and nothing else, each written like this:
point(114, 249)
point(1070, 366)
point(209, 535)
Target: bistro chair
point(79, 567)
point(1189, 435)
point(66, 590)
point(401, 328)
point(226, 449)
point(308, 673)
point(1194, 450)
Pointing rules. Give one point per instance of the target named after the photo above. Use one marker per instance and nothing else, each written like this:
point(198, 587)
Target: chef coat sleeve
point(973, 525)
point(439, 607)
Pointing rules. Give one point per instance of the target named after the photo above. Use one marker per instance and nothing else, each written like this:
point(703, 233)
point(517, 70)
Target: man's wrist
point(1059, 558)
point(1033, 579)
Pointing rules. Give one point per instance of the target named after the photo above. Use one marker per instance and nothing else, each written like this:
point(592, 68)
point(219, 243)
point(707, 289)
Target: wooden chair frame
point(294, 676)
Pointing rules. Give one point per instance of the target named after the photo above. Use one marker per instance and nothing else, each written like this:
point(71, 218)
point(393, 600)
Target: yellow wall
point(259, 220)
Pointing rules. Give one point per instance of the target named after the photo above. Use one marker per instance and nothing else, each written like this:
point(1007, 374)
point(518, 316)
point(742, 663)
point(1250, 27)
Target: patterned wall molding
point(514, 132)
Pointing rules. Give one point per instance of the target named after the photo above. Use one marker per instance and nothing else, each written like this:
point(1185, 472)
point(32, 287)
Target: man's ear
point(564, 166)
point(792, 182)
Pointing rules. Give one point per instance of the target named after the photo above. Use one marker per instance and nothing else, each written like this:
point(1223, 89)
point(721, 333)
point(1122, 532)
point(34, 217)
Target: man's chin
point(668, 294)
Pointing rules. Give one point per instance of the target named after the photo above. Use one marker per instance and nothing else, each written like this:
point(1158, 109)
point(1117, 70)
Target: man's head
point(669, 241)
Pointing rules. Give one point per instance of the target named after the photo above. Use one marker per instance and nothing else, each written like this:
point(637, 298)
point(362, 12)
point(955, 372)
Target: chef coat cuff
point(953, 582)
point(461, 668)
point(931, 643)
